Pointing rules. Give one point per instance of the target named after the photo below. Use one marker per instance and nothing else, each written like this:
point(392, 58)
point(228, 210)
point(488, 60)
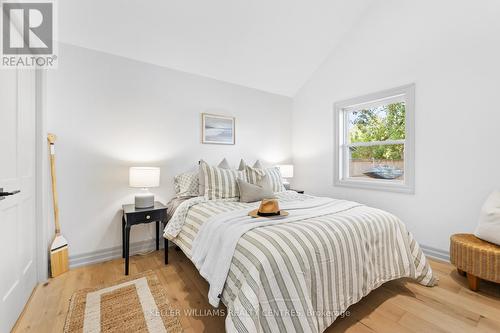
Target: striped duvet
point(300, 276)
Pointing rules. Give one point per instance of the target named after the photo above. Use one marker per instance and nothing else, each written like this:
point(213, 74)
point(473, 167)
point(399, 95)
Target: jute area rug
point(133, 304)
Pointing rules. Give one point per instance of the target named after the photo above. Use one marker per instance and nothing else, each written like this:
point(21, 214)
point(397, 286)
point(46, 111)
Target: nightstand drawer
point(144, 217)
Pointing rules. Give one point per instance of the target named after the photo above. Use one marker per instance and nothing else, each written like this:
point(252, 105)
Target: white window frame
point(404, 93)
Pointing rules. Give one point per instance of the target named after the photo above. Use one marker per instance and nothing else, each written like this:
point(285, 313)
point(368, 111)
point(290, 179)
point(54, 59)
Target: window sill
point(379, 185)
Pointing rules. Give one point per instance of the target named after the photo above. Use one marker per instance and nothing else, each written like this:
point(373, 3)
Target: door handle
point(5, 194)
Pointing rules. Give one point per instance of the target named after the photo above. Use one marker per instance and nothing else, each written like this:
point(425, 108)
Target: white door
point(17, 212)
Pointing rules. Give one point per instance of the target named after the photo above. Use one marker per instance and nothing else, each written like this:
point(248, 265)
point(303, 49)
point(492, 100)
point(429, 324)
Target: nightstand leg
point(123, 236)
point(157, 235)
point(166, 250)
point(127, 248)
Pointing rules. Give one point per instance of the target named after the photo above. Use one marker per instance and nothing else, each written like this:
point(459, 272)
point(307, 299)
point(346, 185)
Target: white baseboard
point(148, 245)
point(112, 253)
point(435, 253)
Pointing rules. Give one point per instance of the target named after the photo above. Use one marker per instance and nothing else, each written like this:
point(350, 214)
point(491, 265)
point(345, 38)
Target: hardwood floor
point(398, 306)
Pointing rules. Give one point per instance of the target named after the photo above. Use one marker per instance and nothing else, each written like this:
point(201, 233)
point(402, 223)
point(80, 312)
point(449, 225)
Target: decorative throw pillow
point(201, 177)
point(186, 184)
point(255, 192)
point(242, 165)
point(220, 183)
point(489, 220)
point(274, 175)
point(256, 165)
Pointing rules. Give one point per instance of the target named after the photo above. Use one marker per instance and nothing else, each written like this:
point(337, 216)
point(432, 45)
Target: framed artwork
point(217, 129)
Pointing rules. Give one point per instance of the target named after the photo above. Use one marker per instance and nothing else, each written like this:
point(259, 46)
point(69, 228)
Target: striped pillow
point(253, 175)
point(220, 183)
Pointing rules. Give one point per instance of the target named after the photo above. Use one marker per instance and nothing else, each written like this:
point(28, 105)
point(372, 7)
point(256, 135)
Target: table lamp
point(144, 177)
point(287, 173)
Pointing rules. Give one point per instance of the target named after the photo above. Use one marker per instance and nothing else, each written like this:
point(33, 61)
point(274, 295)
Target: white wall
point(110, 113)
point(451, 50)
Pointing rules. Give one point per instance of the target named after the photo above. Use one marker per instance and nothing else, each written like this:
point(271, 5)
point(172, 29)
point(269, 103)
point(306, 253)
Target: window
point(374, 141)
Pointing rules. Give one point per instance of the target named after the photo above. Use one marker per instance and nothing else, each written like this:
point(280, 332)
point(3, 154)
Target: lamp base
point(144, 200)
point(286, 184)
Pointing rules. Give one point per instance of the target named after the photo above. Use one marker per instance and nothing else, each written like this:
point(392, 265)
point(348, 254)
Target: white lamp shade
point(286, 170)
point(144, 177)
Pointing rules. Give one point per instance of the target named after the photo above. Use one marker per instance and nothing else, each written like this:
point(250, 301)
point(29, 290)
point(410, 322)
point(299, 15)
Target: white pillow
point(242, 165)
point(256, 165)
point(489, 220)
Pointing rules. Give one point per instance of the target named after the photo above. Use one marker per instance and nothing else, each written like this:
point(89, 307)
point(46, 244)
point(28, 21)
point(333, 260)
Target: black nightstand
point(133, 216)
point(298, 191)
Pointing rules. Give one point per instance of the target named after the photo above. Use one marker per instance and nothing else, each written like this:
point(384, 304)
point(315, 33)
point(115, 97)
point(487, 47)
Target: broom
point(59, 248)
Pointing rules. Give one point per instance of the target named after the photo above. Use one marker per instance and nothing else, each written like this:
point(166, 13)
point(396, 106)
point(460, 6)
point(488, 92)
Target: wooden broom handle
point(51, 138)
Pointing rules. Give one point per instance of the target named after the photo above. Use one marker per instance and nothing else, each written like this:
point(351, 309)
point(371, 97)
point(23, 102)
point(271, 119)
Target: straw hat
point(268, 208)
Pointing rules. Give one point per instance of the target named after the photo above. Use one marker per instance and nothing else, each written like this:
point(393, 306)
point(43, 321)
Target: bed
point(297, 274)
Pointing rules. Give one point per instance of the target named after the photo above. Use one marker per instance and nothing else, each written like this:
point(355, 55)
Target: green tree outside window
point(382, 123)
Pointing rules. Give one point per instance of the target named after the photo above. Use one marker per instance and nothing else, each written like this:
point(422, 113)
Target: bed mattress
point(300, 276)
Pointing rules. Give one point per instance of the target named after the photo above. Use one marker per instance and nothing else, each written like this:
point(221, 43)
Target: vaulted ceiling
point(271, 45)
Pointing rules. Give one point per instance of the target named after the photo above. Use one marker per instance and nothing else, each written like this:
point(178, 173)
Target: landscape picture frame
point(217, 129)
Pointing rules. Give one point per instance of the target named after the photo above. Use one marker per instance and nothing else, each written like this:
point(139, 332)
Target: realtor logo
point(28, 34)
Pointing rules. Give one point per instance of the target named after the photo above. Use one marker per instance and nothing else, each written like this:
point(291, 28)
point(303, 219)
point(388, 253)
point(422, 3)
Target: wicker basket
point(475, 256)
